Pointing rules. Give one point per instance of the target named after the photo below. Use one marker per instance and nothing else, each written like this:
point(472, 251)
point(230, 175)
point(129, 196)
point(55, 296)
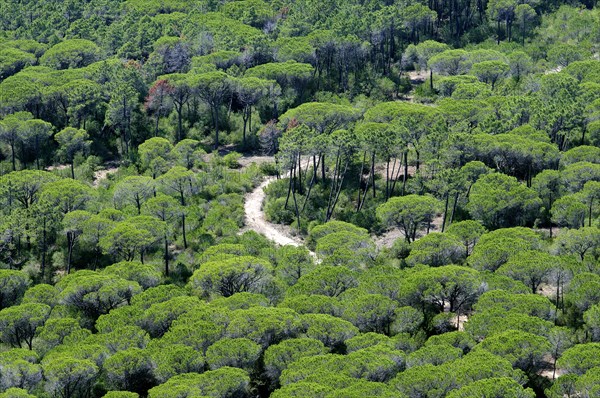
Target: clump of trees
point(440, 160)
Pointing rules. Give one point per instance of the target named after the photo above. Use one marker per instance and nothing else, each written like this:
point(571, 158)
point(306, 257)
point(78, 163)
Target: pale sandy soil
point(255, 216)
point(58, 167)
point(102, 175)
point(99, 175)
point(284, 235)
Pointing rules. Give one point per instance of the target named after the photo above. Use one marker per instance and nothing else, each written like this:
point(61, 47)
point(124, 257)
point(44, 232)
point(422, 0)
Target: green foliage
point(494, 387)
point(237, 353)
point(73, 53)
point(524, 350)
point(12, 287)
point(499, 201)
point(410, 213)
point(436, 121)
point(223, 382)
point(235, 275)
point(580, 358)
point(279, 356)
point(436, 249)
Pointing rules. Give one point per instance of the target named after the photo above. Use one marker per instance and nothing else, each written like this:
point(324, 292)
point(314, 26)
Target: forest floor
point(256, 220)
point(102, 174)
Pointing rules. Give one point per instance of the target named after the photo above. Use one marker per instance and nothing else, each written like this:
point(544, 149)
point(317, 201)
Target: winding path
point(255, 218)
point(254, 215)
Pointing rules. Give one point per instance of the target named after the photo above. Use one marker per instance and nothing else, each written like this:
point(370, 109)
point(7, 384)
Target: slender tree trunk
point(339, 189)
point(360, 179)
point(72, 170)
point(431, 79)
point(554, 364)
point(333, 184)
point(299, 174)
point(498, 32)
point(445, 211)
point(216, 121)
point(296, 204)
point(454, 206)
point(373, 173)
point(396, 177)
point(37, 158)
point(245, 120)
point(250, 119)
point(12, 153)
point(290, 185)
point(185, 245)
point(44, 236)
point(166, 256)
point(179, 122)
point(405, 176)
point(387, 179)
point(312, 182)
point(70, 244)
point(156, 125)
point(364, 198)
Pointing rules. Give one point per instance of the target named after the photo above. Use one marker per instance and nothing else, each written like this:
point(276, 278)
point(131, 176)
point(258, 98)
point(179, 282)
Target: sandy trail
point(255, 218)
point(283, 234)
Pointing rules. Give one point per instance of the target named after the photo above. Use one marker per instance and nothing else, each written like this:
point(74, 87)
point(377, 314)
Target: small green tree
point(72, 142)
point(409, 213)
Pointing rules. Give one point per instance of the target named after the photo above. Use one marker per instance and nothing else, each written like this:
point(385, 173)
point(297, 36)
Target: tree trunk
point(299, 174)
point(373, 173)
point(179, 122)
point(312, 182)
point(395, 178)
point(70, 244)
point(156, 125)
point(296, 204)
point(185, 245)
point(43, 267)
point(250, 119)
point(339, 189)
point(431, 79)
point(405, 176)
point(445, 211)
point(12, 153)
point(454, 206)
point(498, 32)
point(333, 184)
point(216, 122)
point(360, 178)
point(245, 120)
point(292, 174)
point(166, 256)
point(387, 179)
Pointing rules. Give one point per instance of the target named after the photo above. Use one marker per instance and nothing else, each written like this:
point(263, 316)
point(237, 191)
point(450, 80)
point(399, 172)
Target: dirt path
point(255, 218)
point(283, 234)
